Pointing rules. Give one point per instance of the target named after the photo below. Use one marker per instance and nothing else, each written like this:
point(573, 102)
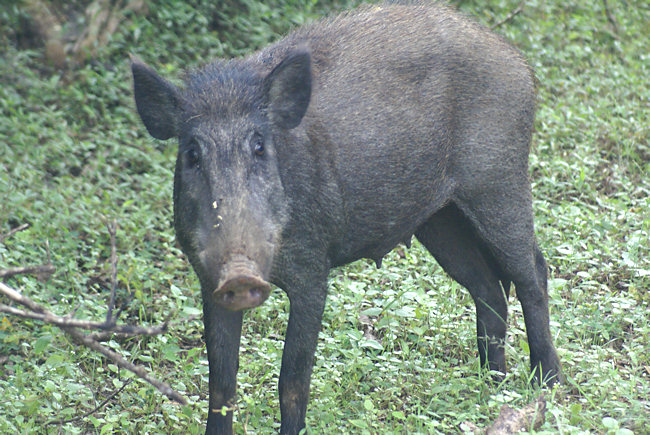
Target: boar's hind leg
point(451, 240)
point(222, 335)
point(504, 221)
point(307, 301)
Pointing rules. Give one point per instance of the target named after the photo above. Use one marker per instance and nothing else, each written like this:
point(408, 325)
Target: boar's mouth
point(241, 285)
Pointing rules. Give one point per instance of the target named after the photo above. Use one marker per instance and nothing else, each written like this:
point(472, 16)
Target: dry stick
point(510, 16)
point(98, 407)
point(13, 231)
point(121, 362)
point(83, 324)
point(112, 231)
point(126, 329)
point(47, 250)
point(69, 325)
point(22, 300)
point(89, 342)
point(610, 17)
point(44, 269)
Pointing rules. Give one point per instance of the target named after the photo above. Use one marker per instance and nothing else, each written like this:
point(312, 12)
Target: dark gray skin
point(336, 143)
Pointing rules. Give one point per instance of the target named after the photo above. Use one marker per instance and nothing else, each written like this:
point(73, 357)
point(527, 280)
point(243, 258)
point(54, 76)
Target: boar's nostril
point(256, 293)
point(229, 296)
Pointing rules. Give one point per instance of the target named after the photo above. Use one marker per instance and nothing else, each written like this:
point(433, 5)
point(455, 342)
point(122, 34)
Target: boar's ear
point(157, 100)
point(287, 89)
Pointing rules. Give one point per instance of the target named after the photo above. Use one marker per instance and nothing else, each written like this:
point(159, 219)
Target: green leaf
point(610, 423)
point(106, 429)
point(371, 344)
point(191, 310)
point(41, 344)
point(372, 312)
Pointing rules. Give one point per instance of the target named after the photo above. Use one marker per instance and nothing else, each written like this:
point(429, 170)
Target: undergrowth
point(397, 352)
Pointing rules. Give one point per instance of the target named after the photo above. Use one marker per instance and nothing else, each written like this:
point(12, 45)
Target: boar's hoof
point(241, 292)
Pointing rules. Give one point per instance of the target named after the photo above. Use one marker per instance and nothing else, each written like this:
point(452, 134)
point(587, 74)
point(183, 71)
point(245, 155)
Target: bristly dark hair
point(223, 87)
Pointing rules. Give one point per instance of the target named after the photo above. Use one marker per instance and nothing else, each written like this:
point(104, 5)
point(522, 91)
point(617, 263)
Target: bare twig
point(120, 329)
point(53, 319)
point(41, 270)
point(112, 231)
point(121, 362)
point(85, 339)
point(70, 326)
point(610, 16)
point(510, 16)
point(47, 250)
point(13, 231)
point(98, 407)
point(16, 296)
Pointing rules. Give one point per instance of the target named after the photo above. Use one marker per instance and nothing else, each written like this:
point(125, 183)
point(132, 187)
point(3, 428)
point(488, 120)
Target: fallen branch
point(97, 408)
point(510, 16)
point(512, 421)
point(121, 362)
point(72, 326)
point(13, 231)
point(610, 17)
point(67, 322)
point(112, 231)
point(44, 270)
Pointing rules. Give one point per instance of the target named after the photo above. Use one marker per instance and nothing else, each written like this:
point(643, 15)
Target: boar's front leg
point(222, 335)
point(306, 311)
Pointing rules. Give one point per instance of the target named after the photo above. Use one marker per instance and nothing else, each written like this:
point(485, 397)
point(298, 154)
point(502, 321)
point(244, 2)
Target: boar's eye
point(192, 157)
point(258, 145)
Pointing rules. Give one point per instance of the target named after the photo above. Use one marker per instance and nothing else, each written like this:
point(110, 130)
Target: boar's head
point(229, 203)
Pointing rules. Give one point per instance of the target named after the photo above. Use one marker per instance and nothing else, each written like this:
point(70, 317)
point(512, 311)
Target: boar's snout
point(241, 286)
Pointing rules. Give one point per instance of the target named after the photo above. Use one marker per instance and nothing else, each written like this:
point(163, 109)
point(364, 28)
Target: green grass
point(397, 351)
